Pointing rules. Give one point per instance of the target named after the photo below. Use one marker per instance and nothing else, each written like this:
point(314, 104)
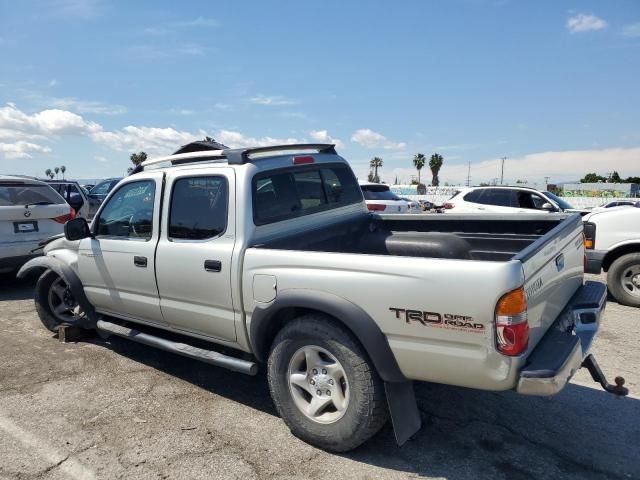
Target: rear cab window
point(296, 191)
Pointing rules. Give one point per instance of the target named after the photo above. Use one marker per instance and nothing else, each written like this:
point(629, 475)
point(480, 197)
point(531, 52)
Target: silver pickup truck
point(269, 256)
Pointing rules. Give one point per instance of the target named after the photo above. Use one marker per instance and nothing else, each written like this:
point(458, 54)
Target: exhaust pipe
point(208, 356)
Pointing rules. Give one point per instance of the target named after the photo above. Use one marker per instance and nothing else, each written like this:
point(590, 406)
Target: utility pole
point(546, 181)
point(502, 171)
point(469, 174)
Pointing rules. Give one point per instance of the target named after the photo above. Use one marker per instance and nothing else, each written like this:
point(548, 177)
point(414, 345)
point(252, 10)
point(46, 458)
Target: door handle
point(140, 261)
point(212, 265)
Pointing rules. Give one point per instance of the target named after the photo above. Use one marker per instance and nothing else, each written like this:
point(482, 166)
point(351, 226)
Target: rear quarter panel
point(387, 287)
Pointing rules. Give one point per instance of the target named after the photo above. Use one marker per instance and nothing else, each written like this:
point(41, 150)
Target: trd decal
point(533, 289)
point(434, 319)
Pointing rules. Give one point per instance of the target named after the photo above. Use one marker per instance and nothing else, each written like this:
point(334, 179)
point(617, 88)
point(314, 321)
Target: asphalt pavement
point(97, 409)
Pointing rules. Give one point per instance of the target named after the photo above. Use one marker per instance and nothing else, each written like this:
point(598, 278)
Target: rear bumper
point(566, 344)
point(594, 261)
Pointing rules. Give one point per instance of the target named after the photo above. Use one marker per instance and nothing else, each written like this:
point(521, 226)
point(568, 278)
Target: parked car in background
point(413, 206)
point(504, 199)
point(88, 186)
point(612, 244)
point(626, 202)
point(98, 193)
point(379, 198)
point(30, 211)
point(76, 196)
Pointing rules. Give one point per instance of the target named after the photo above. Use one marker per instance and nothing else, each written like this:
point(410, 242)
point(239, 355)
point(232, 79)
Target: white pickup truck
point(271, 253)
point(612, 241)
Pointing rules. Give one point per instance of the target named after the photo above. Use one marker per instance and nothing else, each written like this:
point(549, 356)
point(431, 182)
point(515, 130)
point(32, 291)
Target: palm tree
point(375, 163)
point(56, 169)
point(418, 161)
point(63, 169)
point(435, 163)
point(138, 158)
point(47, 172)
point(51, 175)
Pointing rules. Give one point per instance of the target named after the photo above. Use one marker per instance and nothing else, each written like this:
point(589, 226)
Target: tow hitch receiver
point(594, 369)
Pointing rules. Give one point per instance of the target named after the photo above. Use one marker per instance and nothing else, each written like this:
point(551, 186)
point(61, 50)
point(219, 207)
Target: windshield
point(561, 203)
point(18, 193)
point(378, 192)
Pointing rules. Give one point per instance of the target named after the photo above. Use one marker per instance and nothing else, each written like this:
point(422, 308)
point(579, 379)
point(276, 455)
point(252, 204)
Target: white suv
point(30, 211)
point(380, 199)
point(499, 199)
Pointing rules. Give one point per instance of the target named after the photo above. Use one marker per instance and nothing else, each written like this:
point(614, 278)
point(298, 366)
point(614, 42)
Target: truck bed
point(462, 237)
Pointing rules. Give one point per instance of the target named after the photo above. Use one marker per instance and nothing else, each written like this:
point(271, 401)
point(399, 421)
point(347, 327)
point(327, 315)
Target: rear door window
point(378, 192)
point(473, 196)
point(498, 197)
point(198, 208)
point(287, 193)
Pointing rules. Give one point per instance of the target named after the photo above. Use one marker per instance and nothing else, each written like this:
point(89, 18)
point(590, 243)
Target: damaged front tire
point(55, 303)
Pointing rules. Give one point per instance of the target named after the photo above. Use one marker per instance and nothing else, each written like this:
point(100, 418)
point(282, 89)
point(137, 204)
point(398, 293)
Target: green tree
point(632, 180)
point(375, 163)
point(138, 158)
point(418, 161)
point(435, 164)
point(56, 169)
point(47, 173)
point(615, 177)
point(592, 178)
point(63, 169)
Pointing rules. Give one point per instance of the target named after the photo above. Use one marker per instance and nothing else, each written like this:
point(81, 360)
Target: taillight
point(589, 235)
point(303, 160)
point(448, 206)
point(376, 207)
point(65, 218)
point(512, 327)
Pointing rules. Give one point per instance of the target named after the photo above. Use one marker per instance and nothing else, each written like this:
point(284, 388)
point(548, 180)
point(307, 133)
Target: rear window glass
point(17, 193)
point(378, 192)
point(282, 194)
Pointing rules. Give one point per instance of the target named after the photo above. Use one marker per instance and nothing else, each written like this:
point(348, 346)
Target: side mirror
point(77, 229)
point(548, 207)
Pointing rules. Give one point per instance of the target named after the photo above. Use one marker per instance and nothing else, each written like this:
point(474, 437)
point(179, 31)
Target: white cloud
point(83, 9)
point(21, 149)
point(585, 23)
point(198, 22)
point(235, 139)
point(632, 30)
point(153, 140)
point(324, 137)
point(157, 52)
point(370, 139)
point(100, 158)
point(274, 100)
point(44, 123)
point(87, 106)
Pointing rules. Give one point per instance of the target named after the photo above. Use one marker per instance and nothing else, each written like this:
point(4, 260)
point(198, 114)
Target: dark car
point(98, 193)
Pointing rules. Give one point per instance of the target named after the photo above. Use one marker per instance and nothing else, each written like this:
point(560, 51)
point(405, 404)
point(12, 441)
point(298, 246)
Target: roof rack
point(237, 156)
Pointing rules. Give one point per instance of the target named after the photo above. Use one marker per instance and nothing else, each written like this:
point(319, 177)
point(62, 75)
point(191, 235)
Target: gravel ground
point(95, 409)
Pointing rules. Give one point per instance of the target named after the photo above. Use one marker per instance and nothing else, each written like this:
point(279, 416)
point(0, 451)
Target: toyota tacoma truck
point(241, 257)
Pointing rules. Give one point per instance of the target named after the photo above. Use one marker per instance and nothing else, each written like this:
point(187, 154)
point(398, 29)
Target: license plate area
point(25, 227)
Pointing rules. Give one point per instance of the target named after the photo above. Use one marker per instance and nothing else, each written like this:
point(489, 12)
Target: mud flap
point(403, 408)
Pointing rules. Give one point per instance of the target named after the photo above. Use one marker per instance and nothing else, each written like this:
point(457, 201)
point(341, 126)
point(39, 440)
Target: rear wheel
point(323, 384)
point(623, 279)
point(55, 303)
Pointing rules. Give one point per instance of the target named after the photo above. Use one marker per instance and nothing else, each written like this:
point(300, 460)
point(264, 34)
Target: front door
point(195, 253)
point(117, 266)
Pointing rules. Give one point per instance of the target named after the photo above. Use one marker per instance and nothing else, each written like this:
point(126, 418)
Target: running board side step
point(208, 356)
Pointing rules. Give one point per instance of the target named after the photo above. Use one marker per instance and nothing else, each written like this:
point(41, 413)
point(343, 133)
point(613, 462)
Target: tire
point(623, 279)
point(364, 409)
point(48, 280)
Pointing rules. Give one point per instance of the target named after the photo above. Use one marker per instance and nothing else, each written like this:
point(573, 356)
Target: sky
point(553, 86)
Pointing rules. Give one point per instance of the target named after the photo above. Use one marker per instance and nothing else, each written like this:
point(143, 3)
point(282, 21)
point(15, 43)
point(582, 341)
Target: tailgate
point(553, 269)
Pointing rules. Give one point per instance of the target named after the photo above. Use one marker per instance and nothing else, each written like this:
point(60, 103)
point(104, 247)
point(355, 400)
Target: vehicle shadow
point(13, 288)
point(580, 433)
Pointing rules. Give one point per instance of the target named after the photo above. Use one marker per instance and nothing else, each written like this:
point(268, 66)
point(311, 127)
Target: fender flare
point(350, 315)
point(69, 276)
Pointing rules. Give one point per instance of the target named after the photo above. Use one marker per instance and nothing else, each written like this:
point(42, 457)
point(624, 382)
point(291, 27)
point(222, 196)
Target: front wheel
point(55, 303)
point(324, 385)
point(623, 279)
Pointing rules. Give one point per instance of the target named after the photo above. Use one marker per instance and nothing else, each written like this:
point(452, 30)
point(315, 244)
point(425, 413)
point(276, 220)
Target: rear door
point(117, 267)
point(193, 261)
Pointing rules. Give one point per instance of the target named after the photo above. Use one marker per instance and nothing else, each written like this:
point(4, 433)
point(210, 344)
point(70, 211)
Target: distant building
point(600, 189)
